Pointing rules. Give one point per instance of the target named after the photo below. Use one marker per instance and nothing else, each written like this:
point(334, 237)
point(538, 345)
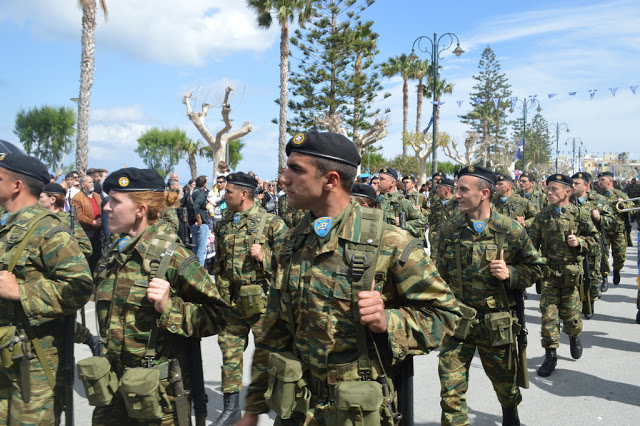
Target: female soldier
point(364, 195)
point(146, 314)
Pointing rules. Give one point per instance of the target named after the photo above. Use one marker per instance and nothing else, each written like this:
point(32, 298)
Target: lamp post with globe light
point(558, 127)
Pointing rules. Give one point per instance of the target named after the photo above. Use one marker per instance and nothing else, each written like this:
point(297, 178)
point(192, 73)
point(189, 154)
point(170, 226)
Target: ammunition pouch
point(143, 394)
point(11, 345)
point(287, 391)
point(251, 300)
point(501, 327)
point(224, 290)
point(466, 323)
point(572, 275)
point(99, 381)
point(361, 403)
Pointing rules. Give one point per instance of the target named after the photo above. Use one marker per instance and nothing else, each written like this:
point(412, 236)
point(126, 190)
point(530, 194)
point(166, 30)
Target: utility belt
point(499, 327)
point(567, 274)
point(249, 299)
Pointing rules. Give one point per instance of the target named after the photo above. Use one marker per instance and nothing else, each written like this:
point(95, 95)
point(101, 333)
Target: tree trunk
point(405, 114)
point(193, 166)
point(89, 10)
point(284, 94)
point(419, 108)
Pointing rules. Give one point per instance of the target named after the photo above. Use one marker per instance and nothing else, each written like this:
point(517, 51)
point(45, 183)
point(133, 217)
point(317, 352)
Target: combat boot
point(539, 286)
point(605, 284)
point(576, 347)
point(510, 416)
point(95, 344)
point(616, 276)
point(549, 364)
point(231, 410)
point(638, 317)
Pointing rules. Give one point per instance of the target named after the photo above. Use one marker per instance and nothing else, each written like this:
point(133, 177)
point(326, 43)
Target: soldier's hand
point(397, 221)
point(572, 240)
point(371, 307)
point(499, 268)
point(520, 220)
point(158, 293)
point(595, 214)
point(247, 420)
point(9, 288)
point(256, 252)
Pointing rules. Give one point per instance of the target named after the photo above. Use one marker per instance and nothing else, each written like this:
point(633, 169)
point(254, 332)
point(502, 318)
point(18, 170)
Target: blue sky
point(148, 54)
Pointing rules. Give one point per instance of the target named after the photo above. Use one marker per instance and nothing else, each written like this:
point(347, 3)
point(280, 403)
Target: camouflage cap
point(242, 179)
point(25, 165)
point(132, 179)
point(390, 172)
point(330, 146)
point(446, 182)
point(479, 172)
point(560, 178)
point(582, 175)
point(54, 188)
point(362, 190)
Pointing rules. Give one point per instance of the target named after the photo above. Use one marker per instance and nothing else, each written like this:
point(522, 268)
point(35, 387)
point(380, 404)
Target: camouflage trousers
point(617, 243)
point(46, 404)
point(559, 302)
point(453, 368)
point(233, 341)
point(594, 273)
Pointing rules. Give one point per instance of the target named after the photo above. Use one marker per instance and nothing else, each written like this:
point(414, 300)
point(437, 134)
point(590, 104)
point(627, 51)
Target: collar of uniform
point(22, 216)
point(244, 215)
point(142, 242)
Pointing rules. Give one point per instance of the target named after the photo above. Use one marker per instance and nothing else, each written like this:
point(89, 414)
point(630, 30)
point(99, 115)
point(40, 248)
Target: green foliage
point(372, 161)
point(46, 133)
point(159, 149)
point(235, 156)
point(405, 165)
point(539, 145)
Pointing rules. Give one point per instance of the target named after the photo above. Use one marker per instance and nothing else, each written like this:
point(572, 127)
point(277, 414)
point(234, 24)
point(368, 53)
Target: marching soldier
point(633, 191)
point(484, 256)
point(328, 313)
point(441, 211)
point(509, 203)
point(243, 268)
point(412, 194)
point(289, 215)
point(531, 192)
point(615, 237)
point(433, 195)
point(393, 203)
point(564, 233)
point(44, 278)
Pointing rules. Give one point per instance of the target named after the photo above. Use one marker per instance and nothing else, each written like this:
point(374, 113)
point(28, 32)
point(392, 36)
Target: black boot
point(549, 364)
point(605, 284)
point(510, 416)
point(231, 411)
point(576, 347)
point(638, 317)
point(539, 287)
point(95, 344)
point(616, 276)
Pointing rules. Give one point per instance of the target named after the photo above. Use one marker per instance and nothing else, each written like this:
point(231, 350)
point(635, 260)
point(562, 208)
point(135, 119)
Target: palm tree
point(285, 11)
point(193, 149)
point(400, 65)
point(419, 70)
point(89, 11)
point(442, 87)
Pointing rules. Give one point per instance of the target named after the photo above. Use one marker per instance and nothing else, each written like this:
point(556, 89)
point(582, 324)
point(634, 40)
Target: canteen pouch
point(250, 300)
point(286, 391)
point(466, 323)
point(572, 275)
point(142, 393)
point(500, 328)
point(10, 345)
point(99, 381)
point(360, 403)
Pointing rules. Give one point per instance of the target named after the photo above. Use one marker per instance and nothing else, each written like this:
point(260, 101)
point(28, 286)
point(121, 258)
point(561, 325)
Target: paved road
point(602, 388)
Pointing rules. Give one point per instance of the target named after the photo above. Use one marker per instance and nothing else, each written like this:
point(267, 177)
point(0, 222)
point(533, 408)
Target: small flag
point(513, 99)
point(613, 90)
point(426, 129)
point(496, 102)
point(633, 88)
point(520, 148)
point(532, 100)
point(459, 103)
point(551, 95)
point(477, 101)
point(592, 93)
point(572, 93)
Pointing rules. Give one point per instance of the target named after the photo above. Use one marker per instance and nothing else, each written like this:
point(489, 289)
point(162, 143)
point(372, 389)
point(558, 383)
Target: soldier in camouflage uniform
point(411, 194)
point(243, 258)
point(495, 254)
point(602, 218)
point(51, 279)
point(392, 203)
point(407, 311)
point(564, 233)
point(131, 301)
point(616, 238)
point(507, 202)
point(532, 192)
point(633, 191)
point(289, 215)
point(441, 211)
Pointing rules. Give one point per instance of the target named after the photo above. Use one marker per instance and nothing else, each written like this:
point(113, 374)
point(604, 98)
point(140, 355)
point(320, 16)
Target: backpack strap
point(256, 239)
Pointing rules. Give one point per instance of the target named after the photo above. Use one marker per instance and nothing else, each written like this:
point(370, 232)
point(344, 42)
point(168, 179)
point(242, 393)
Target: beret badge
point(558, 177)
point(298, 139)
point(2, 156)
point(471, 169)
point(123, 182)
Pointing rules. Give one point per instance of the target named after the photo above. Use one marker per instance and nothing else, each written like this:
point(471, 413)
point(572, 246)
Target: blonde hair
point(156, 202)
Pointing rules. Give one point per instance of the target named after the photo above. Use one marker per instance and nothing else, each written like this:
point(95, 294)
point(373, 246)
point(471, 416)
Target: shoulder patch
point(55, 230)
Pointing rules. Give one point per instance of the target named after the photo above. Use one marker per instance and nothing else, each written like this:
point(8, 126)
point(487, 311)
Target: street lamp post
point(558, 127)
point(573, 141)
point(526, 104)
point(435, 47)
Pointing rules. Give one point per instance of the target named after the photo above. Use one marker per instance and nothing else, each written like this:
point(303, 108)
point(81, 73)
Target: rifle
point(73, 216)
point(523, 373)
point(193, 360)
point(183, 228)
point(627, 229)
point(586, 285)
point(69, 332)
point(180, 399)
point(403, 220)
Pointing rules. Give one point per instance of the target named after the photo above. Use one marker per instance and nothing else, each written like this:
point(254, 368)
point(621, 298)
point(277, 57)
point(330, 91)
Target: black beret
point(446, 182)
point(362, 190)
point(409, 177)
point(563, 179)
point(330, 146)
point(528, 175)
point(582, 175)
point(438, 174)
point(25, 165)
point(479, 172)
point(54, 188)
point(390, 171)
point(132, 179)
point(501, 177)
point(605, 174)
point(242, 179)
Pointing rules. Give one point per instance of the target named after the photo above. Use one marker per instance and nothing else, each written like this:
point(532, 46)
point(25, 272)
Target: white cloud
point(164, 31)
point(125, 113)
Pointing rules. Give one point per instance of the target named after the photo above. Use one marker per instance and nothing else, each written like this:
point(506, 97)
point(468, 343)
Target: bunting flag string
point(613, 90)
point(496, 102)
point(513, 99)
point(551, 95)
point(592, 93)
point(572, 93)
point(532, 100)
point(633, 88)
point(459, 103)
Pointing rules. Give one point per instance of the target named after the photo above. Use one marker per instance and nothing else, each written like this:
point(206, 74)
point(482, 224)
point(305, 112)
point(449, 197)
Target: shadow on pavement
point(595, 338)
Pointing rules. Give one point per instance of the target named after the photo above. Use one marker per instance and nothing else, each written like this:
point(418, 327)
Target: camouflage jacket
point(419, 306)
point(611, 198)
point(633, 191)
point(392, 203)
point(549, 233)
point(538, 199)
point(52, 273)
point(290, 215)
point(441, 212)
point(126, 316)
point(595, 201)
point(417, 199)
point(515, 206)
point(479, 288)
point(233, 265)
point(78, 233)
